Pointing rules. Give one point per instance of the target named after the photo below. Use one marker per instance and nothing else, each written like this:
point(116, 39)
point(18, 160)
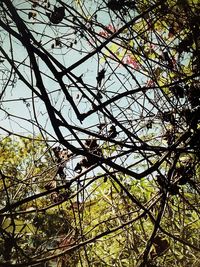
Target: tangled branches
point(110, 90)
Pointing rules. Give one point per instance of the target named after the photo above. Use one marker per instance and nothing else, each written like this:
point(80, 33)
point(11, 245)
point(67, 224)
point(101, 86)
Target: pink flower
point(109, 30)
point(129, 60)
point(150, 83)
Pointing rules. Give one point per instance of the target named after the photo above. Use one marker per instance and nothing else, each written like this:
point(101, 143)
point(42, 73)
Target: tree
point(28, 182)
point(112, 89)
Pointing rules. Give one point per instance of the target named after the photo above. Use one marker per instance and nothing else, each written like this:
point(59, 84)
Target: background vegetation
point(99, 152)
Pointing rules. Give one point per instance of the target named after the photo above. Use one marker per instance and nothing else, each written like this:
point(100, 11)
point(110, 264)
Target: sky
point(17, 99)
point(23, 113)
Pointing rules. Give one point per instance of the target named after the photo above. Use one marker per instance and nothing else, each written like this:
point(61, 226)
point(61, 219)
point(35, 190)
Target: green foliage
point(20, 155)
point(121, 188)
point(25, 168)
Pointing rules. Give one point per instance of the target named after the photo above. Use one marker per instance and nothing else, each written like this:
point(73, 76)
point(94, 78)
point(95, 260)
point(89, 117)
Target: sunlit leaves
point(16, 154)
point(114, 85)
